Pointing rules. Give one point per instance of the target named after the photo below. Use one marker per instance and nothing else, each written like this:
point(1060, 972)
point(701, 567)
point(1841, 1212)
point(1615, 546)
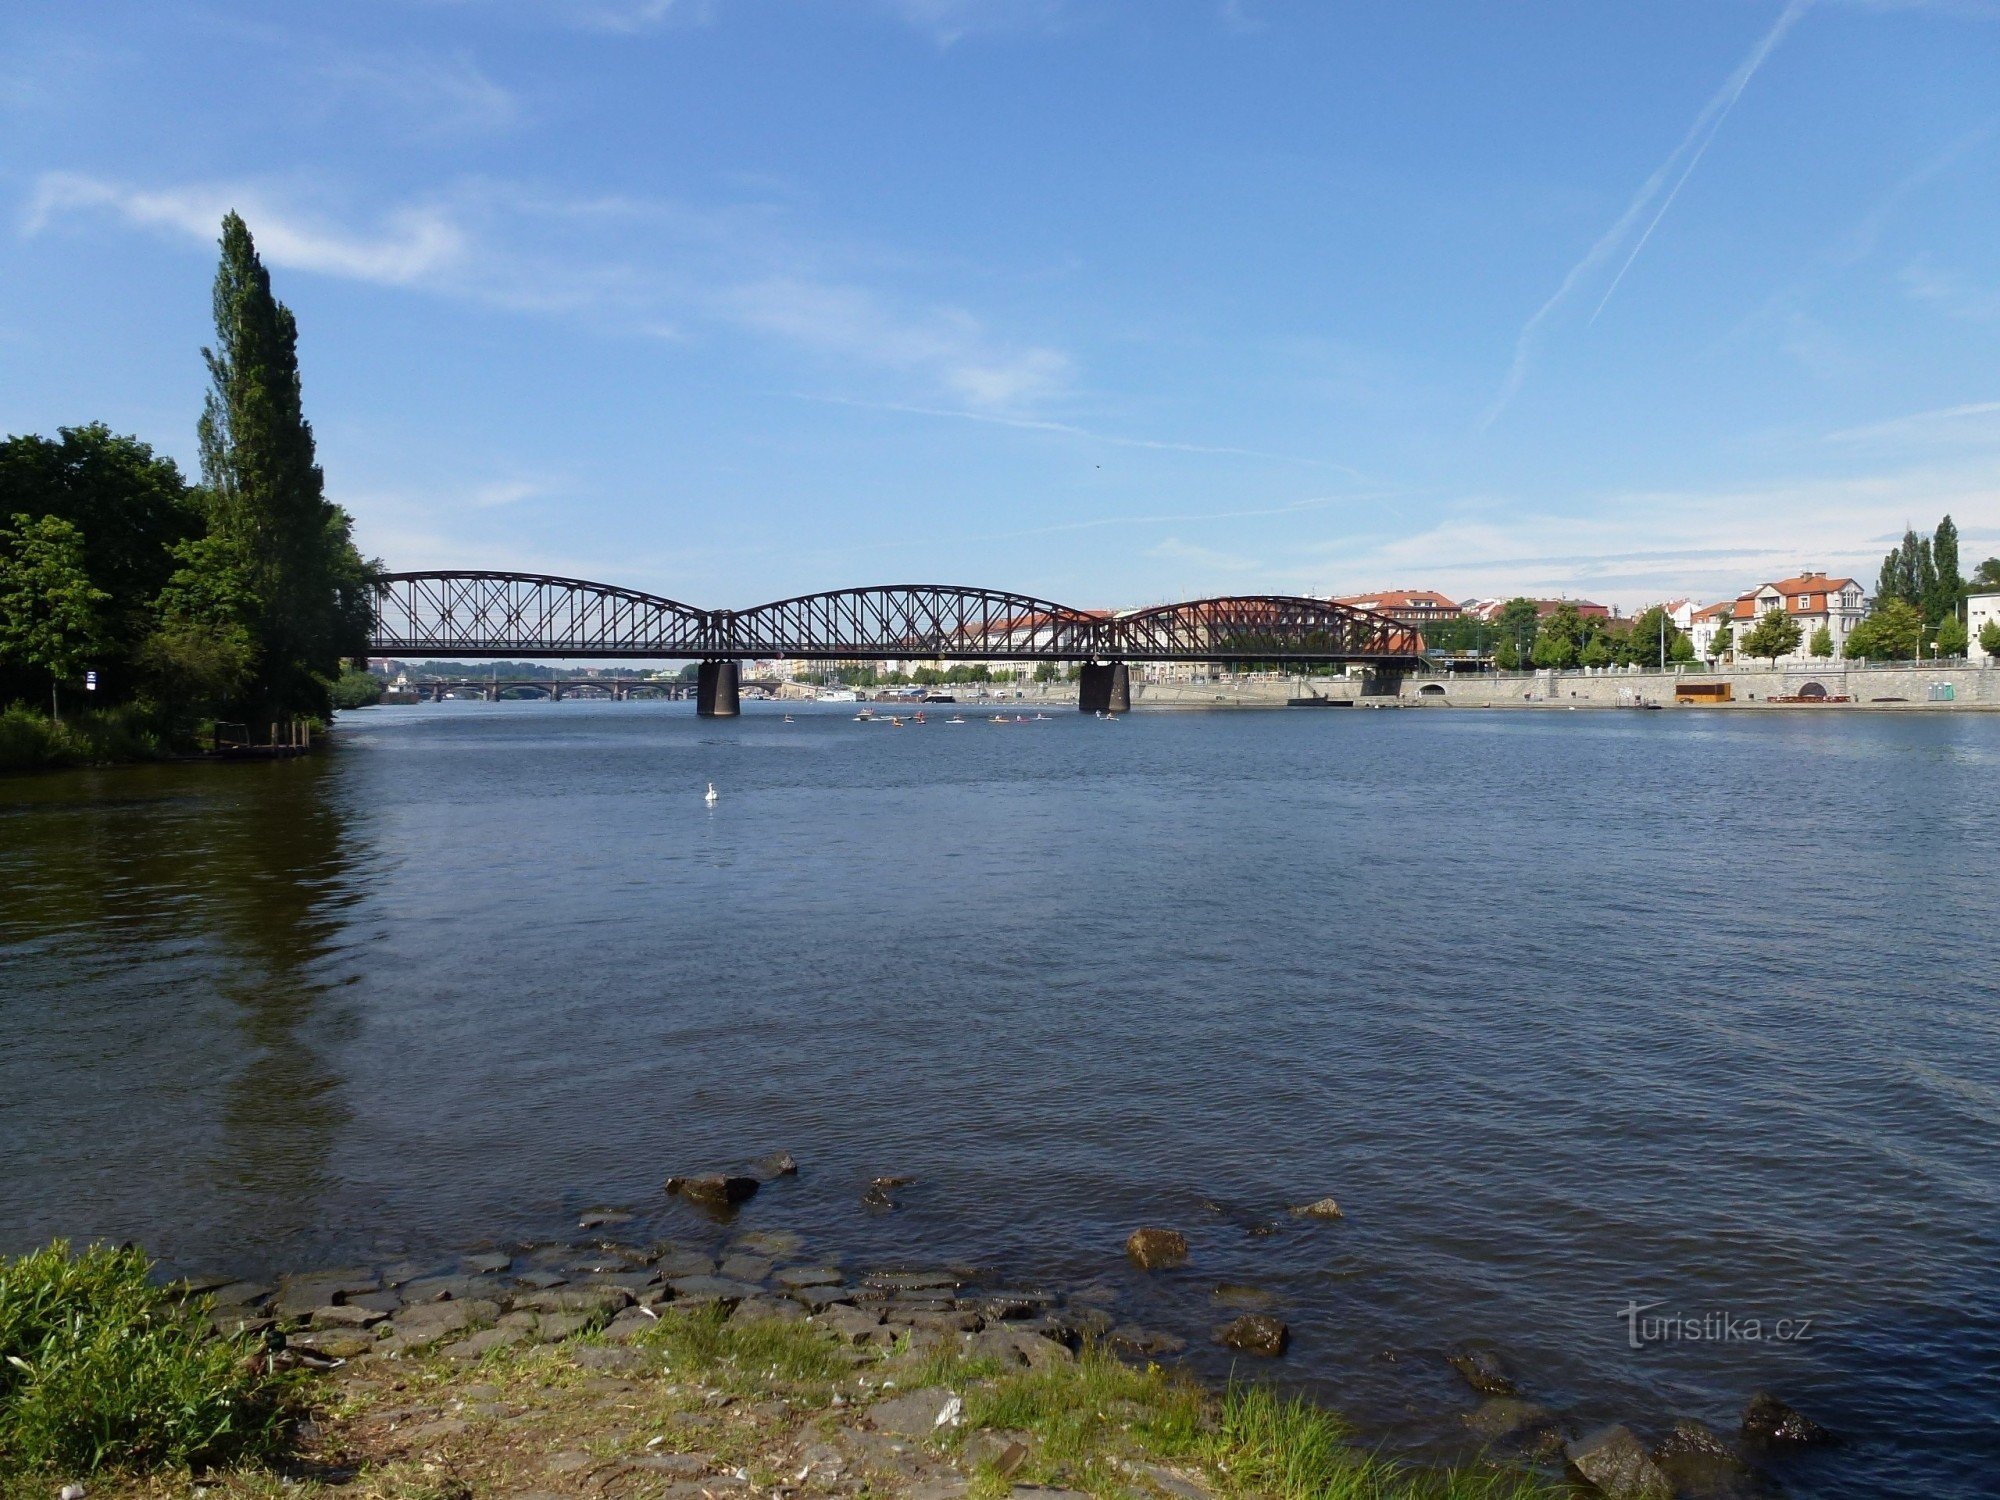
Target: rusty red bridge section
point(529, 615)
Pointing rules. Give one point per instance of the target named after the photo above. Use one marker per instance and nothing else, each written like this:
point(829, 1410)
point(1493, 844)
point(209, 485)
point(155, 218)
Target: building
point(1706, 623)
point(1981, 610)
point(1680, 613)
point(1813, 600)
point(1418, 607)
point(1489, 609)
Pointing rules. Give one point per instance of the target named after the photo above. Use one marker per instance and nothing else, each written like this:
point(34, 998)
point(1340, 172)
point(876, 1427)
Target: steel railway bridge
point(526, 615)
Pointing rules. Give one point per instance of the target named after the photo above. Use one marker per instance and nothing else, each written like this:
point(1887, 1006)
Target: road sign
point(90, 682)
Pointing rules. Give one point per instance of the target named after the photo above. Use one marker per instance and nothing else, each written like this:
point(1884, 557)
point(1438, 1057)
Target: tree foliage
point(306, 586)
point(51, 614)
point(1989, 638)
point(1821, 644)
point(1893, 631)
point(1951, 637)
point(1776, 634)
point(1559, 640)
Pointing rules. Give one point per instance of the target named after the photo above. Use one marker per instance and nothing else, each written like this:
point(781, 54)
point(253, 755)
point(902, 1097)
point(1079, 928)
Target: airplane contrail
point(1697, 140)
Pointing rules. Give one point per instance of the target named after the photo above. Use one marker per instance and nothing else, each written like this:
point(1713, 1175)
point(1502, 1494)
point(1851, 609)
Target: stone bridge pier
point(1105, 688)
point(716, 690)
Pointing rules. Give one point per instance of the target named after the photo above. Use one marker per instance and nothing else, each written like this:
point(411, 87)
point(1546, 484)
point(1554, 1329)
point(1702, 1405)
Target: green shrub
point(357, 690)
point(31, 741)
point(99, 1368)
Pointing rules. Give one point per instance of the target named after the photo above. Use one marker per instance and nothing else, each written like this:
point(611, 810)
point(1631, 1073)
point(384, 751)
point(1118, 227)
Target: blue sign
point(90, 682)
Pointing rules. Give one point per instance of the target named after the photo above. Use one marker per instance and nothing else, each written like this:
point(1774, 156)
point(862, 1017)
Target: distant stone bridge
point(526, 615)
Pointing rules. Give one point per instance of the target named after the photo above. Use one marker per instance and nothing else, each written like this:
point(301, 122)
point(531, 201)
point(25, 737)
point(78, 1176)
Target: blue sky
point(1111, 302)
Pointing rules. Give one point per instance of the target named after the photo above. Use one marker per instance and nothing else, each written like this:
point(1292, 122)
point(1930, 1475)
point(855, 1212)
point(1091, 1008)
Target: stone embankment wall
point(1972, 685)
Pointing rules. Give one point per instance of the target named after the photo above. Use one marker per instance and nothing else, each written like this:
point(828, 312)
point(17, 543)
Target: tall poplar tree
point(266, 495)
point(1947, 584)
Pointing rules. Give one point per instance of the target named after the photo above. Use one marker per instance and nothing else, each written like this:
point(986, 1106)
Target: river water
point(1568, 1010)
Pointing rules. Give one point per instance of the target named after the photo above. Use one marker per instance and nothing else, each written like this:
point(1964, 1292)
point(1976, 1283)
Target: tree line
point(237, 597)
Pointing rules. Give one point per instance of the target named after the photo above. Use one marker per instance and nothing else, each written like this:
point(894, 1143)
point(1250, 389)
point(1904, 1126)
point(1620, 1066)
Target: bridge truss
point(524, 615)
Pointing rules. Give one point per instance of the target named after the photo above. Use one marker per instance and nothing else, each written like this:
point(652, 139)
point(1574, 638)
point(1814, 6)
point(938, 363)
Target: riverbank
point(31, 741)
point(734, 1362)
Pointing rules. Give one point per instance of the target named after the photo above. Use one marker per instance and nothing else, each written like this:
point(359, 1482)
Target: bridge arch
point(1260, 628)
point(467, 611)
point(911, 621)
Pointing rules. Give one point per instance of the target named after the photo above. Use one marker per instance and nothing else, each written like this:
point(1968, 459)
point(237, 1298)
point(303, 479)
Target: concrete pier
point(716, 694)
point(1105, 688)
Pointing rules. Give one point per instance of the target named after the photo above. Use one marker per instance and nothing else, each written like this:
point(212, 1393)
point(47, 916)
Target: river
point(1570, 1011)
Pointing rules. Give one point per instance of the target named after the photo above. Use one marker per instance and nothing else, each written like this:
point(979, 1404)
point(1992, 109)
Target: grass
point(101, 1369)
point(751, 1396)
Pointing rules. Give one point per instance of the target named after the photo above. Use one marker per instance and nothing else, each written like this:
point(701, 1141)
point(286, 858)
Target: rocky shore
point(734, 1361)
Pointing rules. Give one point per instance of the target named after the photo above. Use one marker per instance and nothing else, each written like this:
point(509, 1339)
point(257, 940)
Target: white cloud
point(1693, 146)
point(624, 265)
point(1977, 421)
point(949, 21)
point(439, 94)
point(411, 245)
point(1950, 291)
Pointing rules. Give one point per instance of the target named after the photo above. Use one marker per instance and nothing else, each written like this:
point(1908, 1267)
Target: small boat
point(956, 719)
point(919, 717)
point(1041, 718)
point(999, 719)
point(788, 718)
point(864, 716)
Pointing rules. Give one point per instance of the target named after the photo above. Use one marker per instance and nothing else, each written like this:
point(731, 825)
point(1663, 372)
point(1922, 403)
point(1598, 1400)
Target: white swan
point(710, 797)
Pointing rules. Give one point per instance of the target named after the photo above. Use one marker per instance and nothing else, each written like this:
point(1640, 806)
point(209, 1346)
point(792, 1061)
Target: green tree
point(266, 494)
point(1559, 640)
point(1651, 629)
point(1909, 573)
point(1946, 594)
point(1680, 649)
point(1987, 574)
point(1517, 622)
point(1597, 650)
point(1989, 638)
point(1720, 646)
point(1951, 637)
point(1046, 671)
point(132, 507)
point(50, 612)
point(1822, 643)
point(1507, 655)
point(1776, 635)
point(1893, 631)
point(203, 652)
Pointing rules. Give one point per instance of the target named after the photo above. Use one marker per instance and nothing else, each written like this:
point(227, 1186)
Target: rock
point(698, 1289)
point(345, 1317)
point(381, 1302)
point(777, 1164)
point(1615, 1463)
point(609, 1361)
point(1768, 1420)
point(772, 1242)
point(881, 1192)
point(1700, 1461)
point(488, 1264)
point(484, 1342)
point(768, 1310)
point(1043, 1492)
point(944, 1320)
point(853, 1324)
point(745, 1267)
point(1004, 1306)
point(541, 1281)
point(1482, 1369)
point(240, 1294)
point(1149, 1341)
point(920, 1414)
point(603, 1218)
point(335, 1343)
point(818, 1298)
point(1255, 1333)
point(298, 1296)
point(684, 1263)
point(70, 1492)
point(1156, 1249)
point(686, 1465)
point(629, 1325)
point(1323, 1208)
point(590, 1300)
point(1167, 1481)
point(798, 1276)
point(1524, 1424)
point(914, 1281)
point(714, 1189)
point(1002, 1452)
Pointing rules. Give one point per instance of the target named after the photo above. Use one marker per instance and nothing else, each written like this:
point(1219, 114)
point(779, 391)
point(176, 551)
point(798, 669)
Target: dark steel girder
point(527, 615)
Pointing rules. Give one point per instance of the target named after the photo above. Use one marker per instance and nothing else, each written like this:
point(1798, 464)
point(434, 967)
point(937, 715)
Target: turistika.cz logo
point(1643, 1326)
